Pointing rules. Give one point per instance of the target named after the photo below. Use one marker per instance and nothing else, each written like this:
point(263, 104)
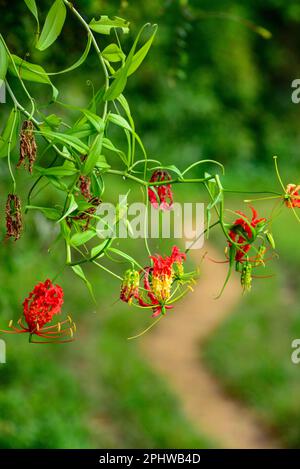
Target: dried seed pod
point(85, 187)
point(13, 217)
point(28, 147)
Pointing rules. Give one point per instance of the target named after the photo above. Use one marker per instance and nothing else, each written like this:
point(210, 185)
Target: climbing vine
point(85, 152)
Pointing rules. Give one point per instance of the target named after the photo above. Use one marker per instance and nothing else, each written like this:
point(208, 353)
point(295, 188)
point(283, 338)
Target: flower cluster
point(243, 233)
point(161, 195)
point(292, 198)
point(39, 308)
point(158, 280)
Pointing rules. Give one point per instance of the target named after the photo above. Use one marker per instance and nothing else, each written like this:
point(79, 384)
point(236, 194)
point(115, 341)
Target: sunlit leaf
point(105, 24)
point(113, 53)
point(10, 133)
point(53, 25)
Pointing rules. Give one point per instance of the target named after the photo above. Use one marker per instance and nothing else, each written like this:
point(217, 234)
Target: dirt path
point(174, 348)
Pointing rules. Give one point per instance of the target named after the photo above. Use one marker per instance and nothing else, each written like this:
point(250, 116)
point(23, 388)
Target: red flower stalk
point(130, 286)
point(39, 308)
point(293, 197)
point(241, 232)
point(13, 217)
point(161, 196)
point(158, 280)
point(28, 147)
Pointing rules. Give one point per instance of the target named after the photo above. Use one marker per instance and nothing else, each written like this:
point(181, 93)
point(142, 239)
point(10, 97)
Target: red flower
point(293, 199)
point(39, 308)
point(241, 232)
point(161, 196)
point(159, 278)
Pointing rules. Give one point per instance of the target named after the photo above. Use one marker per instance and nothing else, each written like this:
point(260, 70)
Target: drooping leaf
point(10, 133)
point(77, 269)
point(30, 72)
point(33, 8)
point(105, 24)
point(53, 25)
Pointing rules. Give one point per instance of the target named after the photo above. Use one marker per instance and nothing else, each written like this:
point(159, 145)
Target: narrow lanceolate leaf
point(50, 213)
point(113, 53)
point(60, 171)
point(68, 140)
point(120, 78)
point(95, 120)
point(30, 72)
point(10, 133)
point(53, 25)
point(93, 155)
point(81, 238)
point(141, 53)
point(78, 271)
point(32, 7)
point(3, 61)
point(105, 24)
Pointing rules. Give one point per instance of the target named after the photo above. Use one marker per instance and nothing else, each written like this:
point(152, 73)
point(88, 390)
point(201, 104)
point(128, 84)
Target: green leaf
point(113, 53)
point(10, 132)
point(141, 54)
point(53, 25)
point(120, 77)
point(30, 72)
point(110, 146)
point(50, 213)
point(105, 24)
point(125, 256)
point(78, 62)
point(53, 121)
point(33, 8)
point(59, 171)
point(93, 155)
point(120, 121)
point(78, 271)
point(68, 140)
point(81, 238)
point(71, 207)
point(3, 61)
point(97, 250)
point(95, 120)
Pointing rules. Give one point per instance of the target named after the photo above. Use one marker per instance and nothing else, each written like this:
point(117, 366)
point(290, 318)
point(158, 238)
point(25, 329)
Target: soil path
point(174, 350)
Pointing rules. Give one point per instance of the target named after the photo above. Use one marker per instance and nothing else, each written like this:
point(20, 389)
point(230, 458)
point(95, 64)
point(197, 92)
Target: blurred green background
point(211, 87)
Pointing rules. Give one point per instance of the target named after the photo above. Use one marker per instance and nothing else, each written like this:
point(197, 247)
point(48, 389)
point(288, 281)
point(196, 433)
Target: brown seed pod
point(28, 147)
point(13, 217)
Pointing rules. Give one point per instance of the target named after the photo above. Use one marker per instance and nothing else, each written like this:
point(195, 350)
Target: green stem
point(95, 44)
